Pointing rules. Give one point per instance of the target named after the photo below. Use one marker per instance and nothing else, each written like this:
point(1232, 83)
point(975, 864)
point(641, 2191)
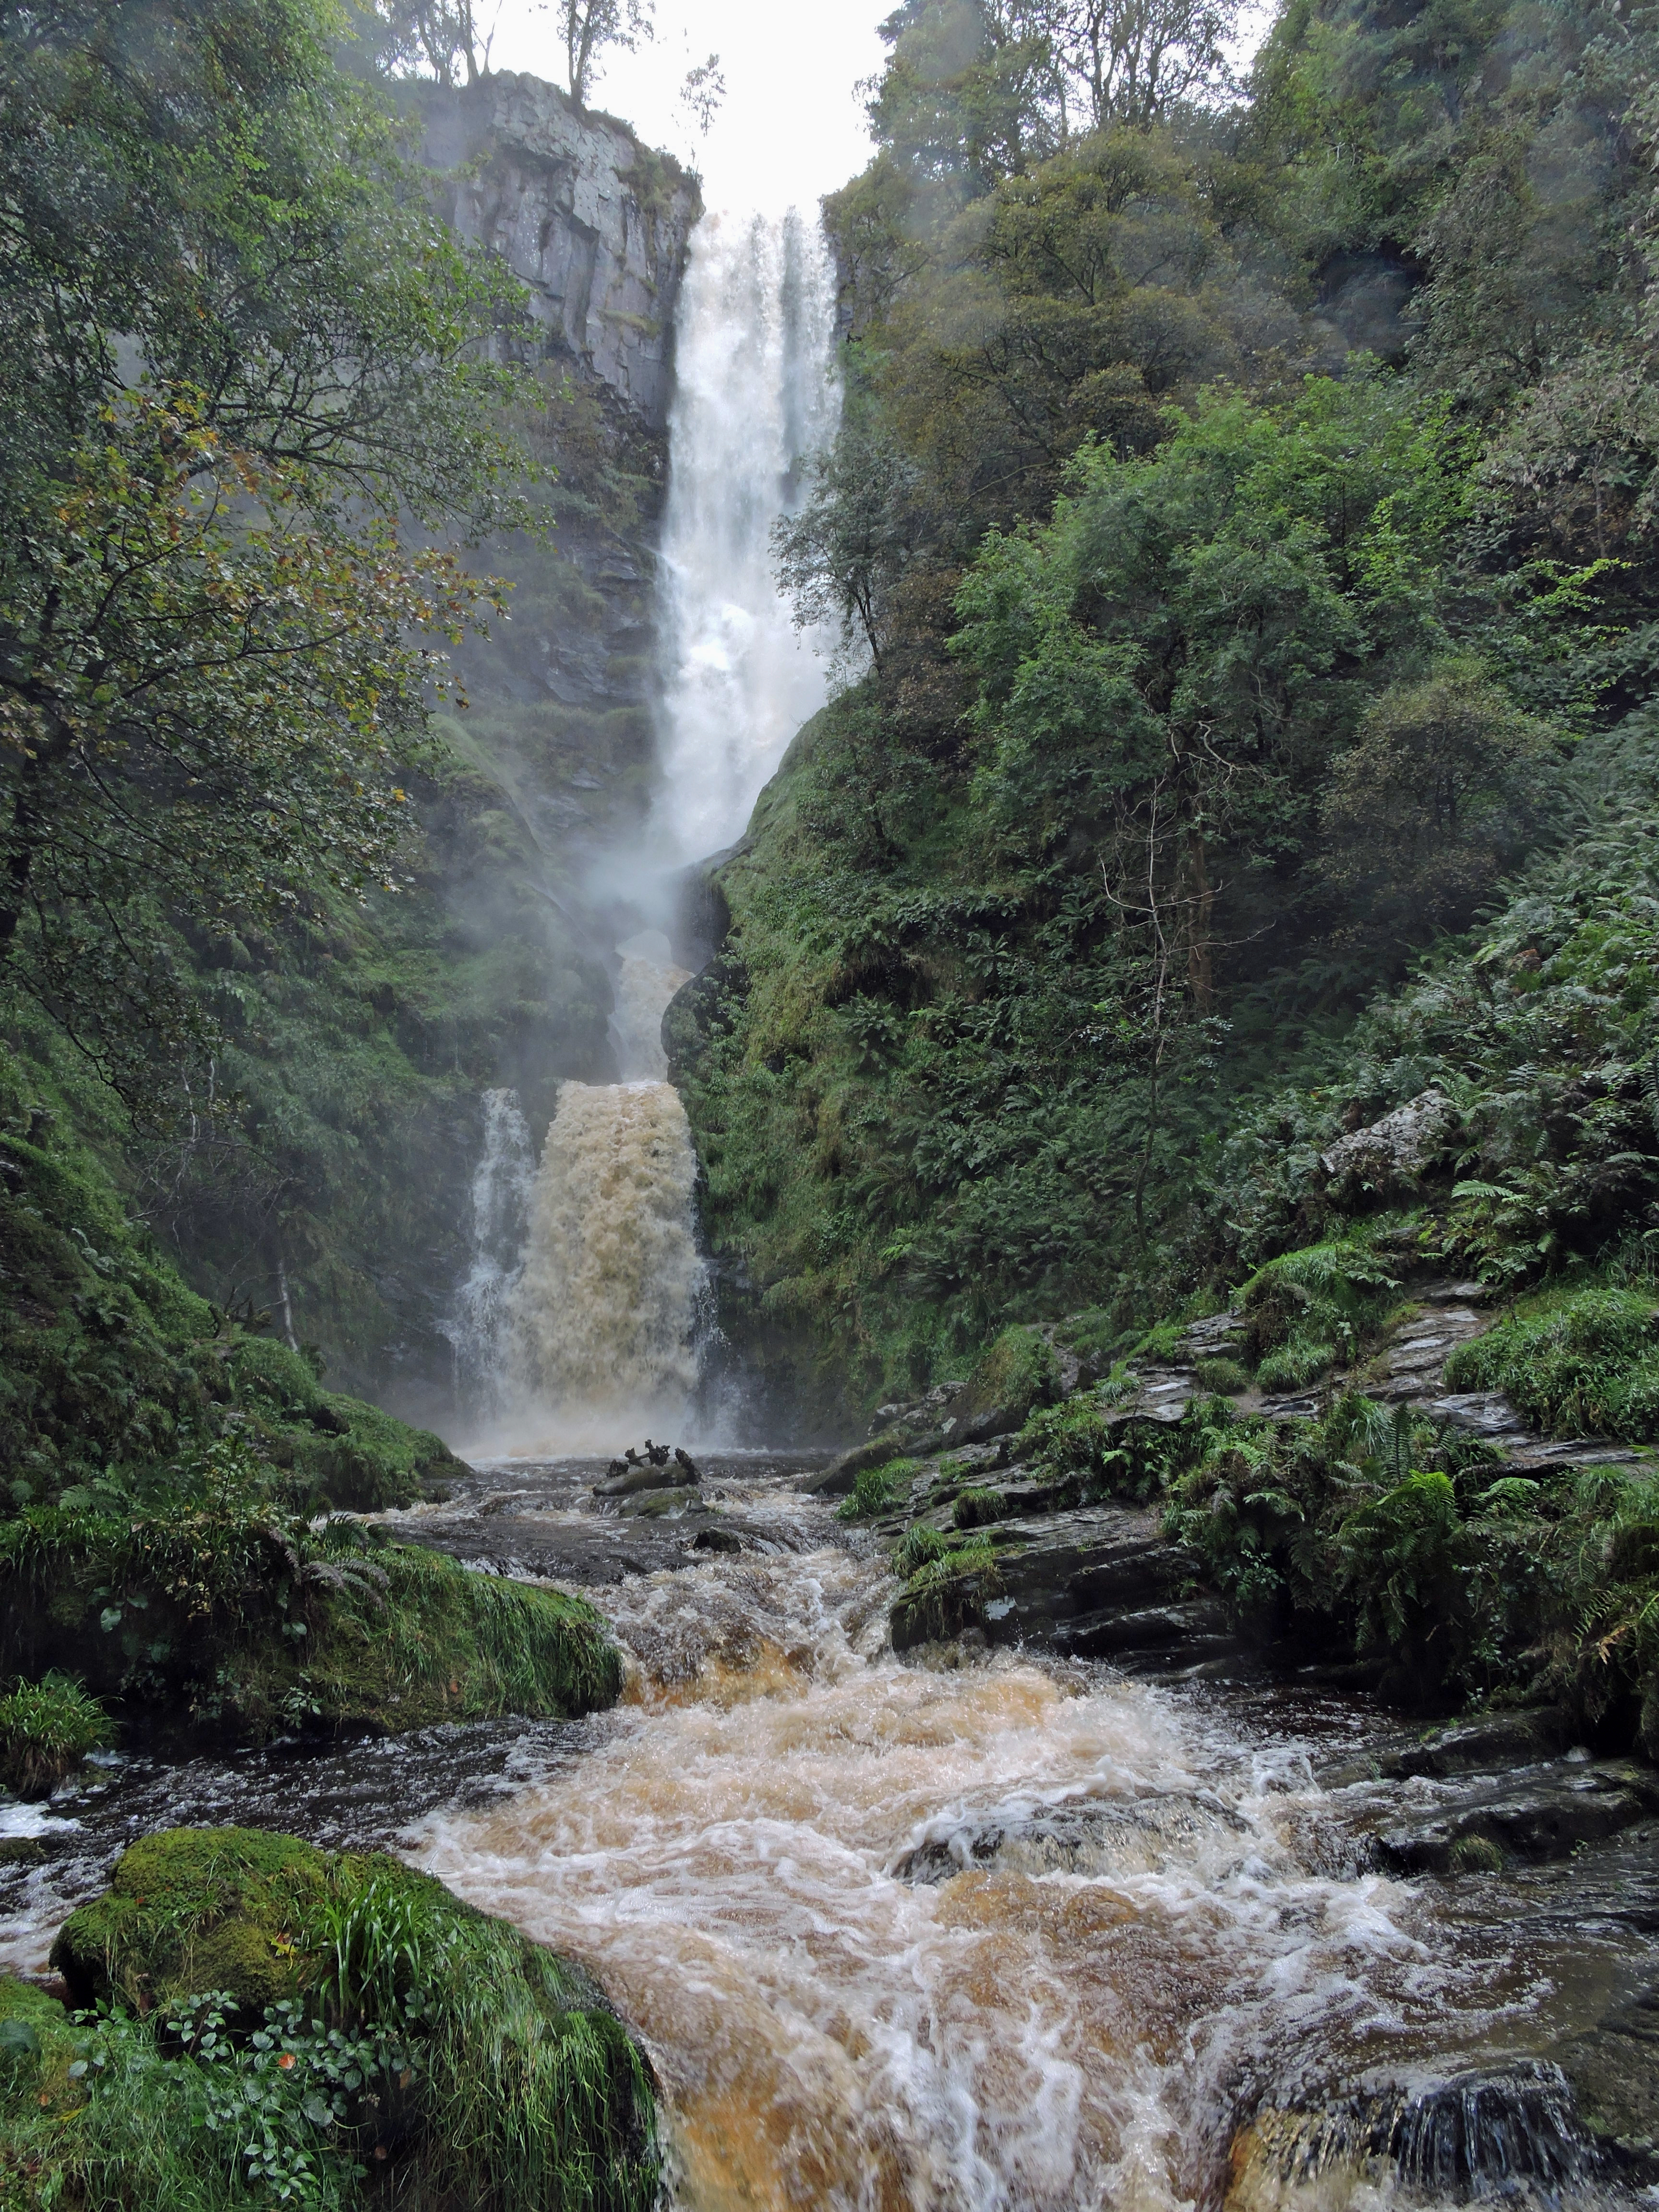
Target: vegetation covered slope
point(161, 1467)
point(1246, 517)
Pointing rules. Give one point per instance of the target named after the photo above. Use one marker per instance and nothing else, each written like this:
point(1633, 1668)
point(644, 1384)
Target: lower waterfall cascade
point(595, 1334)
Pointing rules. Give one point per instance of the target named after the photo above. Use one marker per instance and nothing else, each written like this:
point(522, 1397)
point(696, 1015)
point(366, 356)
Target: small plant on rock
point(875, 1489)
point(46, 1728)
point(977, 1508)
point(917, 1547)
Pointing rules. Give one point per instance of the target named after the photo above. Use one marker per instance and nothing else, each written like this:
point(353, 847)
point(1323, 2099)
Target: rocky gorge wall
point(591, 221)
point(365, 1041)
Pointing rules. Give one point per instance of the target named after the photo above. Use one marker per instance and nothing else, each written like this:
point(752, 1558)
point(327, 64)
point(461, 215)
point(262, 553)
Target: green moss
point(393, 2016)
point(1578, 1363)
point(198, 1909)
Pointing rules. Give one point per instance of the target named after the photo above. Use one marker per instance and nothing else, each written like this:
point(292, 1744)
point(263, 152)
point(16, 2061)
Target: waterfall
point(502, 1187)
point(755, 395)
point(606, 1307)
point(595, 1324)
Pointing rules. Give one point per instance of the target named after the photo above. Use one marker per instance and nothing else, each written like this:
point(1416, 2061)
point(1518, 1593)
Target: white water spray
point(755, 396)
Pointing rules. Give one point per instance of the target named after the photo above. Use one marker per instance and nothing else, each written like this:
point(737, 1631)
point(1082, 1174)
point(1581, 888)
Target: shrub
point(1325, 1296)
point(1223, 1378)
point(874, 1489)
point(1072, 1439)
point(977, 1508)
point(1016, 1372)
point(46, 1728)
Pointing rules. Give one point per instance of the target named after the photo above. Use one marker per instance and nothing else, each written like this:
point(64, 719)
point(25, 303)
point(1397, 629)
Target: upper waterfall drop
point(755, 394)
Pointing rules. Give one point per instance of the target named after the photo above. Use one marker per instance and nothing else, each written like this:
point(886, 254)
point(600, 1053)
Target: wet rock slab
point(1099, 1582)
point(1089, 1836)
point(543, 1517)
point(1544, 1813)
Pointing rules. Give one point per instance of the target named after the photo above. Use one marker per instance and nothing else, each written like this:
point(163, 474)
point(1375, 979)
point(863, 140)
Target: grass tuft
point(46, 1729)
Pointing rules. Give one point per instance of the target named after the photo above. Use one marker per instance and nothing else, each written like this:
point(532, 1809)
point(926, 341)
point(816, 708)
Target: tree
point(210, 584)
point(1133, 60)
point(841, 555)
point(1446, 786)
point(703, 92)
point(590, 27)
point(439, 36)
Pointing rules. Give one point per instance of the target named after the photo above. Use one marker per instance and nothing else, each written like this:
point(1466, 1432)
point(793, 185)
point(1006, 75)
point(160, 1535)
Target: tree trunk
point(1198, 899)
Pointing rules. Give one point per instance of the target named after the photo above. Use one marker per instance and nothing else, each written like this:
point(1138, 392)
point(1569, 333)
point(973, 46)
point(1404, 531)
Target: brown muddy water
point(967, 1931)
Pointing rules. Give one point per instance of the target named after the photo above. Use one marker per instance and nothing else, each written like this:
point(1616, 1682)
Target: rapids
point(771, 1864)
point(972, 1934)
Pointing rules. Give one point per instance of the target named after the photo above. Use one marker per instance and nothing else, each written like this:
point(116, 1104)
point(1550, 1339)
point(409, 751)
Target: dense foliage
point(238, 361)
point(1246, 516)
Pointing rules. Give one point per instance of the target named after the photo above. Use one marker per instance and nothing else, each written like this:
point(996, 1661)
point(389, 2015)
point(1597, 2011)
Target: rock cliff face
point(495, 970)
point(592, 222)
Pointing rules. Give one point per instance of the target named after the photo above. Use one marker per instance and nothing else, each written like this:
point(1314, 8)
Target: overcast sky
point(793, 126)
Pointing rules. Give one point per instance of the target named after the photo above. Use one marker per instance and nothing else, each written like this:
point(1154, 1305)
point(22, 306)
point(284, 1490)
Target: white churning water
point(1169, 1931)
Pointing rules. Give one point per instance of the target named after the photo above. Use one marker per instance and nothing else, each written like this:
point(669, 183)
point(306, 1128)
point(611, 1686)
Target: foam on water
point(830, 2031)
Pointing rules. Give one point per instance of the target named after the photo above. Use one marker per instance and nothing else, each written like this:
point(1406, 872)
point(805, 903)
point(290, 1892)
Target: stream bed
point(967, 1930)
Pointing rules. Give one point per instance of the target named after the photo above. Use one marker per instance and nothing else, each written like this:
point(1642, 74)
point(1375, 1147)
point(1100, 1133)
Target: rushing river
point(978, 1933)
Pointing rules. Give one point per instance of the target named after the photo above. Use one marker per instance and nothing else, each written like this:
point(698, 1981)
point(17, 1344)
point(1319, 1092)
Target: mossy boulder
point(197, 1909)
point(1018, 1371)
point(502, 2075)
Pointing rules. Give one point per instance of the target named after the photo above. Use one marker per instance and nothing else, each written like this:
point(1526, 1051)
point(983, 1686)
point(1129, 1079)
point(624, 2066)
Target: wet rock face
point(1502, 2133)
point(1097, 1836)
point(592, 224)
point(1542, 1813)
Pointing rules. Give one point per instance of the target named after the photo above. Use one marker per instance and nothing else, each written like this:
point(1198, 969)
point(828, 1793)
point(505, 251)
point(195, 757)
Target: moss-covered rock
point(1017, 1373)
point(340, 2011)
point(221, 1614)
point(198, 1909)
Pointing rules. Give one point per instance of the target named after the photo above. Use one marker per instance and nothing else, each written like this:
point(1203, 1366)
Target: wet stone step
point(1511, 2135)
point(1105, 1635)
point(1546, 1815)
point(1093, 1837)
